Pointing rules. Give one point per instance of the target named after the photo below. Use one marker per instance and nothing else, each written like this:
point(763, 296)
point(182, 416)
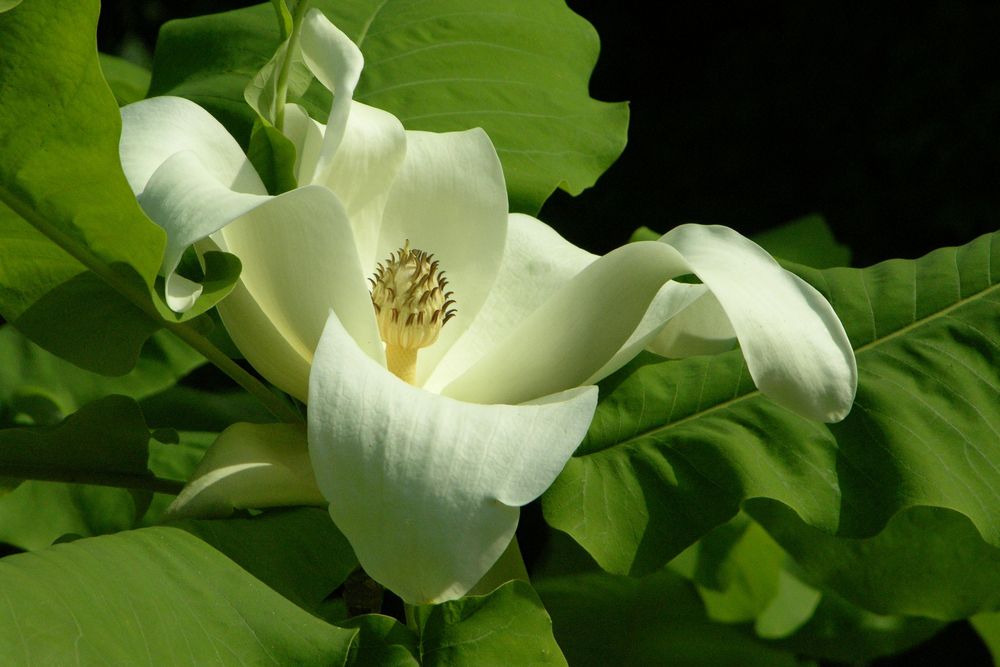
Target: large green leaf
point(676, 447)
point(79, 258)
point(519, 70)
point(153, 596)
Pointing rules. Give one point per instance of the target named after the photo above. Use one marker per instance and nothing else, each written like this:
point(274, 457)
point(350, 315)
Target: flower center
point(411, 306)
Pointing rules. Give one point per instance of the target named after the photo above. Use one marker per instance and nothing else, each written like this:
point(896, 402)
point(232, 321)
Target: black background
point(883, 117)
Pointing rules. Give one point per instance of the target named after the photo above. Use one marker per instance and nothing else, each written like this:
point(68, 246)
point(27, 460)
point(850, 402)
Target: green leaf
point(79, 259)
point(807, 241)
point(273, 156)
point(6, 5)
point(677, 447)
point(600, 619)
point(508, 626)
point(299, 553)
point(104, 442)
point(152, 596)
point(107, 438)
point(381, 641)
point(520, 71)
point(128, 81)
point(31, 371)
point(988, 627)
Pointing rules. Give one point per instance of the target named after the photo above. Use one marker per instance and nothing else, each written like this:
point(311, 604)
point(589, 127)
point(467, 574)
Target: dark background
point(883, 117)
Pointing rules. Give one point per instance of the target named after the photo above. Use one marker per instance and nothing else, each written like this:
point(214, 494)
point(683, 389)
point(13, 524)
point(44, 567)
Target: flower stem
point(281, 94)
point(401, 362)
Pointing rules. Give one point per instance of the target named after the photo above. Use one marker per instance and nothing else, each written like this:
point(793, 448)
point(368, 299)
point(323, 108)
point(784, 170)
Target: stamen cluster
point(411, 304)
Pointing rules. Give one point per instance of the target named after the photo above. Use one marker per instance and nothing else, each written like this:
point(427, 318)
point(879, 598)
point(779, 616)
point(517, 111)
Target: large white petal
point(299, 262)
point(155, 129)
point(250, 466)
point(426, 488)
point(576, 332)
point(337, 62)
point(449, 199)
point(795, 346)
point(184, 197)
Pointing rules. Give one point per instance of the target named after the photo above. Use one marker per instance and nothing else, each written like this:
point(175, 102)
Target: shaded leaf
point(128, 81)
point(381, 641)
point(30, 370)
point(601, 619)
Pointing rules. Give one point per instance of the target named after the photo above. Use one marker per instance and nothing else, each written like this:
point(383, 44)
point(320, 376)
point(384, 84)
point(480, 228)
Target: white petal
point(795, 346)
point(184, 198)
point(284, 364)
point(426, 488)
point(449, 199)
point(335, 60)
point(576, 332)
point(299, 262)
point(250, 466)
point(363, 169)
point(362, 172)
point(307, 137)
point(155, 129)
point(536, 262)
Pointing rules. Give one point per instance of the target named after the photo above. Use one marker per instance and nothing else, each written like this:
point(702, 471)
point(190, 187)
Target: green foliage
point(646, 483)
point(600, 619)
point(465, 631)
point(79, 259)
point(520, 71)
point(273, 156)
point(29, 371)
point(128, 81)
point(153, 595)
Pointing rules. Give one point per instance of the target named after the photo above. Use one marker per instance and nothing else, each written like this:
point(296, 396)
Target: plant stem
point(281, 93)
point(98, 477)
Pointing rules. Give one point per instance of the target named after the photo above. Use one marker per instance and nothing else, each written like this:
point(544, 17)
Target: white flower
point(425, 476)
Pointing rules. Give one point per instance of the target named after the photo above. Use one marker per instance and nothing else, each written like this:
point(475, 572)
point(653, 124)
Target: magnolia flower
point(447, 351)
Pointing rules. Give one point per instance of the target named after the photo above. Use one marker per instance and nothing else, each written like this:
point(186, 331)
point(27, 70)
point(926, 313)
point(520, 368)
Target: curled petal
point(185, 198)
point(155, 129)
point(701, 328)
point(337, 62)
point(795, 346)
point(249, 466)
point(426, 488)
